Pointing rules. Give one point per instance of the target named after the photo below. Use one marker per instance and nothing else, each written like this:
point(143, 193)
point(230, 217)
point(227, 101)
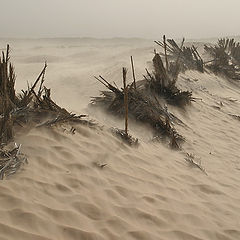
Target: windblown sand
point(141, 194)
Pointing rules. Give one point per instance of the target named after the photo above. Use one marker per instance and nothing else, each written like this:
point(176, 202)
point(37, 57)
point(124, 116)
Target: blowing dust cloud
point(113, 126)
point(119, 18)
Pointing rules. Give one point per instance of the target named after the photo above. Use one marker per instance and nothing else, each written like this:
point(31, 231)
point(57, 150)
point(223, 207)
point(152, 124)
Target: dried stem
point(124, 70)
point(133, 72)
point(165, 52)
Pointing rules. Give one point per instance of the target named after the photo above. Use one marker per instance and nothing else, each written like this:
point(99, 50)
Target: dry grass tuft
point(163, 83)
point(188, 58)
point(226, 58)
point(11, 161)
point(141, 108)
point(33, 106)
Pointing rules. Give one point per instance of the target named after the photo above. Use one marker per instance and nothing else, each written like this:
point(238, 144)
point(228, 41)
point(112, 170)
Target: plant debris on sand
point(163, 83)
point(191, 160)
point(31, 107)
point(188, 58)
point(127, 138)
point(11, 161)
point(140, 108)
point(226, 58)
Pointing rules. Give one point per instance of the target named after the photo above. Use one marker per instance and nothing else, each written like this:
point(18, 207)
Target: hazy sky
point(119, 18)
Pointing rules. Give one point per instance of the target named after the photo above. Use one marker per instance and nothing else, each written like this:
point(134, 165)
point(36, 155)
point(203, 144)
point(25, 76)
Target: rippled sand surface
point(148, 193)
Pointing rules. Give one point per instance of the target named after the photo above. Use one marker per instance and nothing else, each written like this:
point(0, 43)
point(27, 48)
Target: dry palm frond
point(164, 84)
point(140, 107)
point(186, 57)
point(226, 58)
point(29, 107)
point(11, 161)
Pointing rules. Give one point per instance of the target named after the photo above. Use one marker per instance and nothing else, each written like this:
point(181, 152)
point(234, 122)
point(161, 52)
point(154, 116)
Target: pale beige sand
point(143, 194)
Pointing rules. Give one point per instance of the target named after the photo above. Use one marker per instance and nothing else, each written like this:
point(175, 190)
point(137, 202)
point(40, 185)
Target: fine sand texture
point(145, 193)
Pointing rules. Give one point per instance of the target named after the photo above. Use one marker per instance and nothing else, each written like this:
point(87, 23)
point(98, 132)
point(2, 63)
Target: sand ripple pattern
point(149, 193)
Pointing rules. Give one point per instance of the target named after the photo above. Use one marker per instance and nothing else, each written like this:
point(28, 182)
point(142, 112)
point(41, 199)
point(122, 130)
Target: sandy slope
point(145, 193)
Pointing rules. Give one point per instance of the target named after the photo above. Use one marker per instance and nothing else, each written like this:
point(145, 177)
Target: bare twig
point(190, 159)
point(41, 84)
point(133, 72)
point(124, 70)
point(38, 79)
point(165, 52)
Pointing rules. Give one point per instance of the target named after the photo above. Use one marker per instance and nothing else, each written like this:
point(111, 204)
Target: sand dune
point(146, 193)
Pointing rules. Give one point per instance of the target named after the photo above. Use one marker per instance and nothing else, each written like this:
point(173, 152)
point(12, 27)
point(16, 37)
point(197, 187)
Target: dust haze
point(119, 18)
point(81, 181)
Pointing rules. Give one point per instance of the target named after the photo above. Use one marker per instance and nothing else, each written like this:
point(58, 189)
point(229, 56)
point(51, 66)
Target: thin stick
point(177, 62)
point(165, 51)
point(115, 85)
point(110, 86)
point(170, 49)
point(148, 73)
point(42, 81)
point(125, 100)
point(159, 43)
point(104, 80)
point(133, 72)
point(7, 54)
point(38, 79)
point(101, 81)
point(196, 51)
point(209, 61)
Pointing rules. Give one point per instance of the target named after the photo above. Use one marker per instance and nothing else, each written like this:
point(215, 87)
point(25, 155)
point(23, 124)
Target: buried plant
point(190, 158)
point(124, 111)
point(31, 107)
point(11, 161)
point(141, 108)
point(163, 83)
point(188, 58)
point(225, 58)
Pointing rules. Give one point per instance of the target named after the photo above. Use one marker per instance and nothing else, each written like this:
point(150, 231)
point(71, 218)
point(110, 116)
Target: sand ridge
point(145, 193)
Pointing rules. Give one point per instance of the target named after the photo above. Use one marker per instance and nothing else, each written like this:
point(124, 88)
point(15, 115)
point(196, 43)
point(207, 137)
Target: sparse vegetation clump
point(188, 58)
point(163, 83)
point(145, 97)
point(31, 107)
point(11, 160)
point(141, 108)
point(225, 58)
point(125, 137)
